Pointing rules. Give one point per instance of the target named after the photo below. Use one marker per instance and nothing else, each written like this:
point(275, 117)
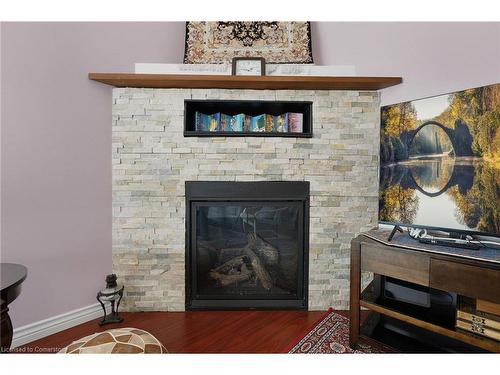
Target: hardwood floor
point(201, 331)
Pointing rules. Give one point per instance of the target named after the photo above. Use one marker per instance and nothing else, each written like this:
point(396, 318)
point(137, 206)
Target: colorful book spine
point(237, 122)
point(247, 123)
point(280, 124)
point(201, 122)
point(285, 123)
point(219, 122)
point(214, 122)
point(295, 122)
point(269, 123)
point(258, 123)
point(225, 122)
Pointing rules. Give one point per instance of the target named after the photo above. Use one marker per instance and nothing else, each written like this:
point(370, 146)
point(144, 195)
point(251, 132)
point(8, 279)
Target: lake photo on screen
point(440, 161)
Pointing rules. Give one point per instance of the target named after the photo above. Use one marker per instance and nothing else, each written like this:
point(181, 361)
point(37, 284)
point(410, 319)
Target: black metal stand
point(113, 317)
point(393, 232)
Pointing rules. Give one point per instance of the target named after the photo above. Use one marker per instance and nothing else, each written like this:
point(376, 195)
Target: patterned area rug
point(330, 335)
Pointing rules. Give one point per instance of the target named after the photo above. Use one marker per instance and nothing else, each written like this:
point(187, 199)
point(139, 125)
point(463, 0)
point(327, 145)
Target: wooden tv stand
point(471, 273)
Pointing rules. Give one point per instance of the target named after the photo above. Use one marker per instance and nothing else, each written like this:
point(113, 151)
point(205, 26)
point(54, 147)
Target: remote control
point(469, 246)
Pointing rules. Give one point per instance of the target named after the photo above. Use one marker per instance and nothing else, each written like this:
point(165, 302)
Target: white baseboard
point(34, 331)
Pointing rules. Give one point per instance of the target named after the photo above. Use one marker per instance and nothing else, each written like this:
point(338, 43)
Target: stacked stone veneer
point(152, 160)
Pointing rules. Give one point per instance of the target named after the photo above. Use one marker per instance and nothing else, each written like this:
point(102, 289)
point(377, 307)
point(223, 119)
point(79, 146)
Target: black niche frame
point(248, 107)
point(260, 192)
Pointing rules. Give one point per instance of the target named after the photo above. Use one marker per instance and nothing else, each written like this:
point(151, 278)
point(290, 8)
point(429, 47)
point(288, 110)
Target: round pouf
point(119, 340)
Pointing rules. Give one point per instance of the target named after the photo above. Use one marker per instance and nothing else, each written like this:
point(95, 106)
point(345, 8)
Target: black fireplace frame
point(252, 191)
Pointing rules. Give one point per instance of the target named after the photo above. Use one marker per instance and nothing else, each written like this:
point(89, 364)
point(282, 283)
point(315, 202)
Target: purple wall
point(56, 133)
point(56, 153)
point(432, 58)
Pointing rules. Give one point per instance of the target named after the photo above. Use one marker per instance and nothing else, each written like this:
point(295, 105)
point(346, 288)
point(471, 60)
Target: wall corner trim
point(37, 330)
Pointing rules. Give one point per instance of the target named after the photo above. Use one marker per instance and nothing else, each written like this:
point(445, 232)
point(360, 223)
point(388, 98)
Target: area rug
point(330, 335)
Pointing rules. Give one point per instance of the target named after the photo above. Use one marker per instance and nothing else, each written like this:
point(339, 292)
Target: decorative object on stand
point(113, 294)
point(248, 66)
point(219, 42)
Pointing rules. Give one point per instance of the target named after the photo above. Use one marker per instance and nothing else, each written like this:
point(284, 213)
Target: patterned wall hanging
point(219, 42)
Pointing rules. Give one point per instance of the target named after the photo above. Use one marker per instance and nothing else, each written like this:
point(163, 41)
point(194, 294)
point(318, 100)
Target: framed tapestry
point(276, 42)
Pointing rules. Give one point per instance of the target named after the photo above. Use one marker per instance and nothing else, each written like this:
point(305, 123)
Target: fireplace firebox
point(247, 245)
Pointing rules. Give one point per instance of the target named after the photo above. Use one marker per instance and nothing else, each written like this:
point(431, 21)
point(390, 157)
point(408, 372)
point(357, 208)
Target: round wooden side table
point(11, 277)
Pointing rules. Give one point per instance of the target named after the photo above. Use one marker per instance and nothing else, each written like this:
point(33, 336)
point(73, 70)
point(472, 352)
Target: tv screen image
point(440, 162)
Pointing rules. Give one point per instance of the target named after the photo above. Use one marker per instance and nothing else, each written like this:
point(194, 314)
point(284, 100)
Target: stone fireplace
point(247, 244)
point(153, 161)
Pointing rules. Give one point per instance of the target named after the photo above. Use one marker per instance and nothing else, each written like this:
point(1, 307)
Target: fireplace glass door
point(247, 250)
point(246, 254)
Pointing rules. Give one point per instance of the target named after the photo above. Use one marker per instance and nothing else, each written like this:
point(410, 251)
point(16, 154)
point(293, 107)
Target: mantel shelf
point(169, 81)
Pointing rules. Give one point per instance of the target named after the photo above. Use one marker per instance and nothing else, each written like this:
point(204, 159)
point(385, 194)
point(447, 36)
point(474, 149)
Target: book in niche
point(295, 122)
point(237, 122)
point(201, 122)
point(247, 121)
point(214, 122)
point(225, 123)
point(269, 123)
point(280, 123)
point(258, 123)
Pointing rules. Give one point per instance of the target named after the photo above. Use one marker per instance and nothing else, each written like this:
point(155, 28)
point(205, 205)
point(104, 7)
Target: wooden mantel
point(169, 81)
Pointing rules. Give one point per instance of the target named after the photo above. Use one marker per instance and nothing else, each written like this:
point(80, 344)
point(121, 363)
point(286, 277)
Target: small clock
point(249, 66)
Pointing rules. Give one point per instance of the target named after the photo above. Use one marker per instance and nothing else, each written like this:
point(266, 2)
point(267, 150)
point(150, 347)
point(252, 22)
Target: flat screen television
point(440, 162)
